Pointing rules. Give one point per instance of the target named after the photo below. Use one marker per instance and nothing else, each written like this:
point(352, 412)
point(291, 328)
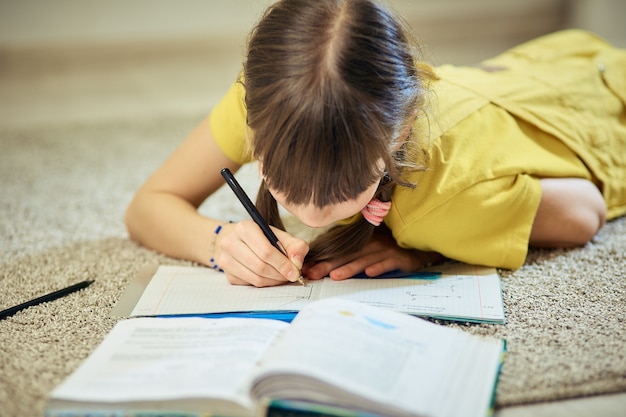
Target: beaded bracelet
point(212, 249)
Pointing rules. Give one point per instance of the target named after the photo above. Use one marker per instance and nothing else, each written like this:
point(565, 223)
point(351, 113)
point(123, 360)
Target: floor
point(47, 86)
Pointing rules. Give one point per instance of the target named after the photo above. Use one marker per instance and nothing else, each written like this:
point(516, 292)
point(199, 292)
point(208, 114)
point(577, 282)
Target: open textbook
point(335, 353)
point(452, 291)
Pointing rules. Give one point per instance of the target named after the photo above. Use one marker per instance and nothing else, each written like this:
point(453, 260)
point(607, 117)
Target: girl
point(410, 164)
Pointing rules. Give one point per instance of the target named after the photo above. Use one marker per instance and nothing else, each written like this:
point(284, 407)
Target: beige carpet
point(64, 190)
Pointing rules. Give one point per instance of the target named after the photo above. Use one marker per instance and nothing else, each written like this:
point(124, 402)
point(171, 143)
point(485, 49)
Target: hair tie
point(375, 211)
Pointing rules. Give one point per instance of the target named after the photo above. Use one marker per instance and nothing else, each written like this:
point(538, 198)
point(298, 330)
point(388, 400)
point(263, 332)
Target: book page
point(368, 355)
point(459, 291)
point(159, 359)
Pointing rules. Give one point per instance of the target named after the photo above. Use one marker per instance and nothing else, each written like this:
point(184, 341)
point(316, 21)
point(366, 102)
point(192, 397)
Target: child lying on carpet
point(411, 164)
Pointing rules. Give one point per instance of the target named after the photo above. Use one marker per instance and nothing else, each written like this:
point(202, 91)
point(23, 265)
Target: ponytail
point(267, 206)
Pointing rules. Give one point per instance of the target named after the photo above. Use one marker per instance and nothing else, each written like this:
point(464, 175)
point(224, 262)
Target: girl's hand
point(248, 258)
point(380, 255)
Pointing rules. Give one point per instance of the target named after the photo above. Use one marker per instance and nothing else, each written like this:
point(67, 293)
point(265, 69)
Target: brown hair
point(330, 87)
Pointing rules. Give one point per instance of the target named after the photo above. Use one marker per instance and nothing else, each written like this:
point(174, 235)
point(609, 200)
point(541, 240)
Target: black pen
point(44, 298)
point(254, 213)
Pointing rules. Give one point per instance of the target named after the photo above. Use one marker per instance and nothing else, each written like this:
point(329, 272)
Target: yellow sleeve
point(228, 125)
point(487, 224)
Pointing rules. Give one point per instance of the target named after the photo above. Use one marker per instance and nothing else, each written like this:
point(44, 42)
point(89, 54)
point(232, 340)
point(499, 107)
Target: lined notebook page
point(195, 290)
point(462, 292)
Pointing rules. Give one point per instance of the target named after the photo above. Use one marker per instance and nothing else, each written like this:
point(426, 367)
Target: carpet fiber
point(64, 191)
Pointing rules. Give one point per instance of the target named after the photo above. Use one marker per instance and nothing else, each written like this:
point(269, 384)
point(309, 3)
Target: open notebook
point(451, 291)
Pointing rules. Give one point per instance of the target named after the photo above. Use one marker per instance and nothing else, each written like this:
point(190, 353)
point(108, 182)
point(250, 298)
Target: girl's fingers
point(296, 249)
point(376, 258)
point(248, 268)
point(322, 269)
point(248, 257)
point(370, 264)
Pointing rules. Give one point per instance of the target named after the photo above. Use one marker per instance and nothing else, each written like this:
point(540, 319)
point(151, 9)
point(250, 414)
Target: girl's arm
point(570, 213)
point(163, 216)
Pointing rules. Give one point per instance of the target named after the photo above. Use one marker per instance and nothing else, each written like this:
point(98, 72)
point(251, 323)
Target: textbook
point(335, 354)
point(453, 291)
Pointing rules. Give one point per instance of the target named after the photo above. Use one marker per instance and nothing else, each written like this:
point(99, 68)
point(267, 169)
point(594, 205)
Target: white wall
point(27, 22)
point(605, 17)
point(60, 21)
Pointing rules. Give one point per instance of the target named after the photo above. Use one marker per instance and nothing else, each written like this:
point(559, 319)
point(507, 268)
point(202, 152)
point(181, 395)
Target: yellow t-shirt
point(556, 110)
